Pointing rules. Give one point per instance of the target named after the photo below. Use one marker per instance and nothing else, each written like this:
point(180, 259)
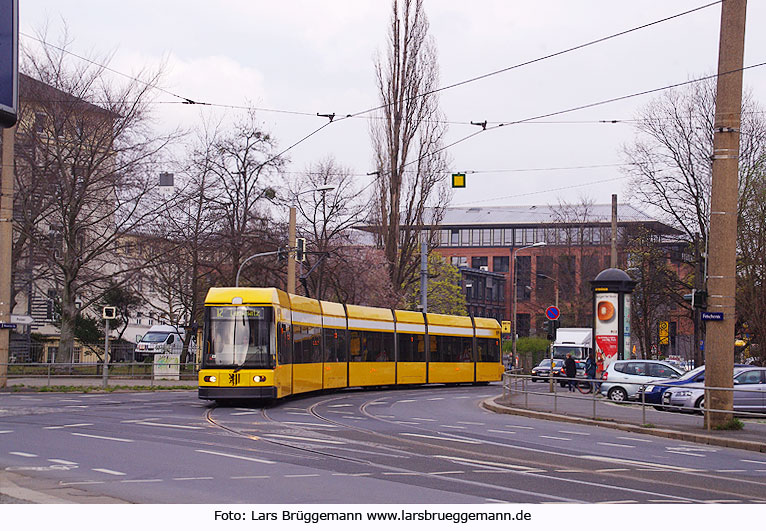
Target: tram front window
point(240, 336)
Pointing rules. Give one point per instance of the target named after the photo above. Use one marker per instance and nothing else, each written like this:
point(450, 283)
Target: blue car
point(653, 391)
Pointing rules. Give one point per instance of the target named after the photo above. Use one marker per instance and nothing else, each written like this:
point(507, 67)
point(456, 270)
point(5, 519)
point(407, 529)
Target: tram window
point(285, 344)
point(334, 345)
point(454, 349)
point(489, 349)
point(371, 346)
point(315, 345)
point(411, 347)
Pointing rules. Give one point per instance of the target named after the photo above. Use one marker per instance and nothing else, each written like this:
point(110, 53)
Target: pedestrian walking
point(570, 369)
point(590, 370)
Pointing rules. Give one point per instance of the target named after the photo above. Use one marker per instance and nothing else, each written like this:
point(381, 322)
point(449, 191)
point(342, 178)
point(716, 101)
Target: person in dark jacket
point(590, 370)
point(570, 369)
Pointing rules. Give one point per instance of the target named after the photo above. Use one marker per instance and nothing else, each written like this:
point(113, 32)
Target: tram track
point(477, 458)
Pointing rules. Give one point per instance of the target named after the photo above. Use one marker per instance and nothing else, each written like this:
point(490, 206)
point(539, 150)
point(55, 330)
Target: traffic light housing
point(697, 298)
point(300, 249)
point(550, 327)
point(282, 255)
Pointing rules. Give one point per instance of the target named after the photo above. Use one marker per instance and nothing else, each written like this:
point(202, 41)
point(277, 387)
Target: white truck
point(577, 341)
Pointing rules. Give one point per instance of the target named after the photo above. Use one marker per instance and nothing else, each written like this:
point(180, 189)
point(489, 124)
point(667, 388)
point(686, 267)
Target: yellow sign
point(664, 336)
point(458, 180)
point(506, 327)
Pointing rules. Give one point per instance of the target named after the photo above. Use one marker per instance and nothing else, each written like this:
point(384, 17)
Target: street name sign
point(712, 316)
point(21, 319)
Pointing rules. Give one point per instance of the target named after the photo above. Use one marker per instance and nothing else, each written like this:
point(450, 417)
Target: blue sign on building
point(712, 316)
point(9, 62)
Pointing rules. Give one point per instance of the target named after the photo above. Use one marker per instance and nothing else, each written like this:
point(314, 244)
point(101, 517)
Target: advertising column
point(611, 315)
point(607, 339)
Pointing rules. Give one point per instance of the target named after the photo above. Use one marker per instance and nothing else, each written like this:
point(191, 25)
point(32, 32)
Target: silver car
point(622, 379)
point(749, 393)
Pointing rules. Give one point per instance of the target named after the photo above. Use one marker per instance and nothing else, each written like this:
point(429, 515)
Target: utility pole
point(722, 271)
point(424, 271)
point(613, 260)
point(291, 252)
point(6, 245)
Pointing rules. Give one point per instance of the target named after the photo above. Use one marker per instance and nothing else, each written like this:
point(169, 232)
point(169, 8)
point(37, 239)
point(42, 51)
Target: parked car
point(543, 370)
point(624, 379)
point(654, 391)
point(749, 393)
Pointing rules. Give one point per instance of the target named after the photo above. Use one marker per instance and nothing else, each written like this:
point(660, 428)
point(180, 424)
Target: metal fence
point(516, 387)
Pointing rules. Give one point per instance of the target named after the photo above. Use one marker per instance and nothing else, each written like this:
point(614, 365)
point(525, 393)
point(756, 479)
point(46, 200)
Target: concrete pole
point(291, 253)
point(424, 273)
point(613, 260)
point(105, 371)
point(6, 245)
point(719, 335)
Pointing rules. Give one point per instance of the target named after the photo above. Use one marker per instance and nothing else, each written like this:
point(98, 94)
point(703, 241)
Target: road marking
point(23, 454)
point(298, 423)
point(554, 438)
point(440, 438)
point(66, 426)
point(437, 398)
point(502, 431)
point(140, 480)
point(295, 437)
point(616, 501)
point(296, 413)
point(250, 477)
point(634, 439)
point(642, 464)
point(568, 470)
point(244, 458)
point(617, 445)
point(61, 461)
point(353, 418)
point(341, 405)
point(471, 423)
point(301, 475)
point(732, 470)
point(192, 479)
point(63, 484)
point(574, 432)
point(668, 501)
point(402, 474)
point(80, 407)
point(251, 413)
point(612, 470)
point(453, 427)
point(424, 420)
point(722, 501)
point(756, 462)
point(117, 439)
point(403, 401)
point(685, 453)
point(494, 464)
point(6, 431)
point(519, 427)
point(108, 471)
point(354, 475)
point(158, 424)
point(446, 472)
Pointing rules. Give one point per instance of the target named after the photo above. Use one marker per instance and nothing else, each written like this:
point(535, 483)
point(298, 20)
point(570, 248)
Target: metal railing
point(516, 384)
point(54, 372)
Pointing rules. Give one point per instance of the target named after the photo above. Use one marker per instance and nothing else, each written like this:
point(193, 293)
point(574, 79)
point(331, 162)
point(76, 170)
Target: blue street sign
point(551, 312)
point(7, 325)
point(712, 316)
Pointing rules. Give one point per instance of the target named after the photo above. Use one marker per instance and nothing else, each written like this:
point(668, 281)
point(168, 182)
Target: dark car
point(543, 370)
point(653, 392)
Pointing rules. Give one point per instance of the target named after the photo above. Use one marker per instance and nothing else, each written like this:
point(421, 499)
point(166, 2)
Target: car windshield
point(155, 337)
point(560, 352)
point(689, 375)
point(545, 363)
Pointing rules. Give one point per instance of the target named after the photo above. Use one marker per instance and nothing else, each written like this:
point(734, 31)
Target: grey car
point(749, 393)
point(623, 379)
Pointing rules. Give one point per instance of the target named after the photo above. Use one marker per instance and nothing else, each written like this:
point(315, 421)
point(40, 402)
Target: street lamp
point(291, 235)
point(515, 296)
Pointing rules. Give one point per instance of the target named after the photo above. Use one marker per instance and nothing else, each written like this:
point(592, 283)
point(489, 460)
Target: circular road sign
point(552, 312)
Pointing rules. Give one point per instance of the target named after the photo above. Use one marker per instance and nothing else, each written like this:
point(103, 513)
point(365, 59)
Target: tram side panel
point(335, 356)
point(489, 364)
point(451, 357)
point(307, 344)
point(371, 346)
point(411, 365)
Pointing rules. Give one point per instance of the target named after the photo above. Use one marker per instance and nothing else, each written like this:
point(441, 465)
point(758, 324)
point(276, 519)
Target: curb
point(752, 446)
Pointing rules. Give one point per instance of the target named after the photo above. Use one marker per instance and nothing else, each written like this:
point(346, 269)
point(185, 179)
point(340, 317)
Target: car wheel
point(617, 394)
point(699, 405)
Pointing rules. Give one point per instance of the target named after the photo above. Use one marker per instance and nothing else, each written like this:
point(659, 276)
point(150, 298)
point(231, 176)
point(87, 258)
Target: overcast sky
point(314, 56)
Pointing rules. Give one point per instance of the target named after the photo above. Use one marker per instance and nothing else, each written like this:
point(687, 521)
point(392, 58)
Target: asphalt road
point(421, 445)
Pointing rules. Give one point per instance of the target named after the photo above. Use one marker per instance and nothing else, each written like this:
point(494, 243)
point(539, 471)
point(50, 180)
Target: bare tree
point(87, 157)
point(408, 142)
point(326, 218)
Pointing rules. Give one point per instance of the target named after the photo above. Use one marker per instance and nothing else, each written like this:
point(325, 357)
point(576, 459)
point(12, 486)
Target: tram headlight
point(210, 379)
point(259, 379)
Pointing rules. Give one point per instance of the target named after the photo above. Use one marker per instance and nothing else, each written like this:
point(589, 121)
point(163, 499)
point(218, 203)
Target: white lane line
point(362, 474)
point(407, 422)
point(612, 470)
point(251, 413)
point(634, 439)
point(643, 465)
point(108, 471)
point(446, 472)
point(493, 464)
point(555, 438)
point(6, 431)
point(250, 477)
point(79, 407)
point(402, 474)
point(301, 475)
point(160, 425)
point(437, 398)
point(66, 426)
point(385, 416)
point(756, 462)
point(424, 420)
point(296, 413)
point(140, 480)
point(685, 453)
point(313, 424)
point(244, 458)
point(341, 405)
point(403, 401)
point(502, 431)
point(574, 432)
point(440, 438)
point(732, 470)
point(470, 423)
point(62, 461)
point(192, 479)
point(519, 427)
point(117, 439)
point(668, 501)
point(616, 445)
point(296, 438)
point(567, 470)
point(616, 501)
point(32, 399)
point(353, 418)
point(453, 427)
point(23, 454)
point(64, 484)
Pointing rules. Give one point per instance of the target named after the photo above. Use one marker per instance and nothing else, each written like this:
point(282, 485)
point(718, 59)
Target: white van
point(159, 339)
point(575, 341)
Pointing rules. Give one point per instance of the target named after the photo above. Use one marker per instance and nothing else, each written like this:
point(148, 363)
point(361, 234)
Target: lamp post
point(515, 297)
point(291, 235)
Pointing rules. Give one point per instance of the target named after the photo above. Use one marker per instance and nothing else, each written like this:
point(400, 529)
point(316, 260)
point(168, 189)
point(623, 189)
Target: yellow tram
point(265, 343)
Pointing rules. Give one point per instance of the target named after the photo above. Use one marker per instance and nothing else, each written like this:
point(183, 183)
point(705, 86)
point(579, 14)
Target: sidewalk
point(579, 408)
point(91, 381)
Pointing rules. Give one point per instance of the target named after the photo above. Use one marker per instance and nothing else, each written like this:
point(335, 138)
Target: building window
point(475, 237)
point(444, 236)
point(486, 237)
point(497, 237)
point(523, 277)
point(522, 324)
point(508, 237)
point(454, 238)
point(465, 237)
point(478, 261)
point(500, 264)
